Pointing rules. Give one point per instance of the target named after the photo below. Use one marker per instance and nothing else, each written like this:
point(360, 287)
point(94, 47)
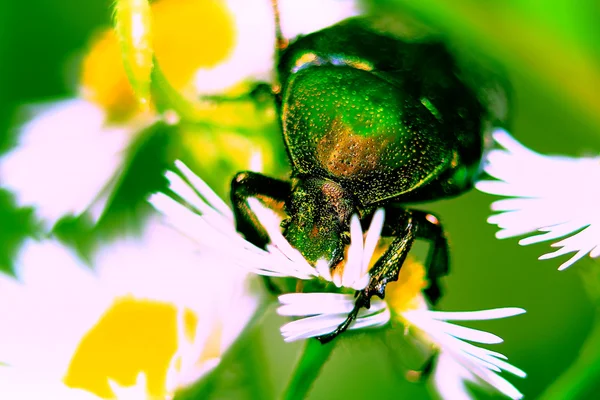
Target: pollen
point(187, 35)
point(405, 293)
point(133, 336)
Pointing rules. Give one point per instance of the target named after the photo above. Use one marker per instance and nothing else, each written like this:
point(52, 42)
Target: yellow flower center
point(186, 35)
point(133, 336)
point(405, 293)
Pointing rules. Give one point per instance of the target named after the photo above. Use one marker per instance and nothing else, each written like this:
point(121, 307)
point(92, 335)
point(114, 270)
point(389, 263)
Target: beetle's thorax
point(319, 211)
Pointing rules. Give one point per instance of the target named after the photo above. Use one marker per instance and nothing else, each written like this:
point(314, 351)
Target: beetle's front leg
point(251, 184)
point(386, 269)
point(405, 226)
point(261, 93)
point(438, 260)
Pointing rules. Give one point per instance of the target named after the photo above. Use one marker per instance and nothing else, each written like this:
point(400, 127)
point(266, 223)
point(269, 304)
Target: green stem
point(258, 372)
point(167, 97)
point(582, 377)
point(202, 114)
point(312, 359)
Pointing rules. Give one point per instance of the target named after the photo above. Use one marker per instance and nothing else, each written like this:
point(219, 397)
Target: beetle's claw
point(358, 304)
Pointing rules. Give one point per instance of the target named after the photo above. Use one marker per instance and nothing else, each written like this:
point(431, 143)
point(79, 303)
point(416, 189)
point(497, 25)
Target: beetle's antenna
point(280, 42)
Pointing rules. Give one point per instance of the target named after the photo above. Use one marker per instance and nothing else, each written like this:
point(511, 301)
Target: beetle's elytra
point(369, 120)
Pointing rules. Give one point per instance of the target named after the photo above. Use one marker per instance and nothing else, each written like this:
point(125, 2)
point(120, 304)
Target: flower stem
point(312, 359)
point(239, 113)
point(167, 97)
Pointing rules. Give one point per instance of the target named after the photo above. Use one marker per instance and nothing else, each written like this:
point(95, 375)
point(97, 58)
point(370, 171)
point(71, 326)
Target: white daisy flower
point(554, 195)
point(71, 154)
point(458, 361)
point(137, 326)
point(206, 219)
point(210, 222)
point(68, 159)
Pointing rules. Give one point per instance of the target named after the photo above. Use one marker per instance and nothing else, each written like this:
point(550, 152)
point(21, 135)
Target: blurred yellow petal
point(103, 78)
point(406, 293)
point(133, 336)
point(189, 35)
point(186, 35)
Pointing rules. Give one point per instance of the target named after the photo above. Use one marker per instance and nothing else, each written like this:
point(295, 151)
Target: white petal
point(66, 159)
point(373, 235)
point(21, 384)
point(483, 357)
point(46, 313)
point(305, 304)
point(198, 184)
point(253, 55)
point(327, 311)
point(271, 222)
point(353, 266)
point(449, 378)
point(481, 315)
point(212, 226)
point(303, 17)
point(458, 331)
point(552, 194)
point(461, 361)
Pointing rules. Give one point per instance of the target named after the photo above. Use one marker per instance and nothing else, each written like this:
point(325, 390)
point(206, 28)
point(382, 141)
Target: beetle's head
point(319, 210)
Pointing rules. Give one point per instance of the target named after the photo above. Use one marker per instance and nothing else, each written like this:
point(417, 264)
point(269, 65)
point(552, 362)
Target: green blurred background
point(551, 54)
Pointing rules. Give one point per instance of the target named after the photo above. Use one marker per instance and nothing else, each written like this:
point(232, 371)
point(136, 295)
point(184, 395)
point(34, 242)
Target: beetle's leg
point(281, 42)
point(251, 184)
point(438, 260)
point(405, 226)
point(261, 93)
point(386, 269)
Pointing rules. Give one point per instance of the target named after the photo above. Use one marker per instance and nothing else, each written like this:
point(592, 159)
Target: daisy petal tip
point(484, 186)
point(503, 234)
point(566, 265)
point(179, 164)
point(530, 240)
point(500, 133)
point(513, 311)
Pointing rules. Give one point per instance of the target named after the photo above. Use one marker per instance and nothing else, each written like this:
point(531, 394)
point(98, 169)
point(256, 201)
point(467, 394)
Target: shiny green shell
point(382, 117)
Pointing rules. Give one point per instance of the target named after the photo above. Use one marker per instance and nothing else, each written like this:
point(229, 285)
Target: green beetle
point(369, 121)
